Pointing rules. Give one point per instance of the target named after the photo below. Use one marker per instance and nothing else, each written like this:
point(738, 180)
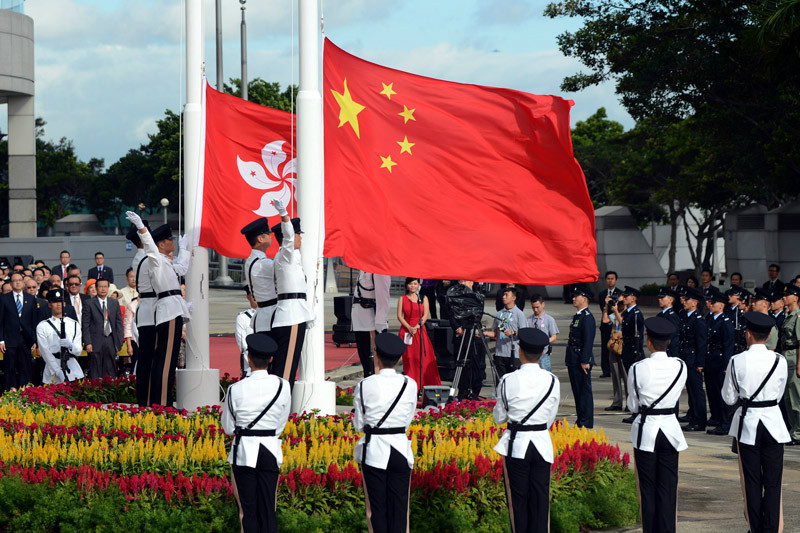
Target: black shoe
point(630, 419)
point(605, 375)
point(613, 408)
point(684, 419)
point(713, 422)
point(719, 430)
point(626, 409)
point(795, 442)
point(692, 427)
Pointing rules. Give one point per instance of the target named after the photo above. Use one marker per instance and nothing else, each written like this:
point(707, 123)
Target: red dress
point(420, 350)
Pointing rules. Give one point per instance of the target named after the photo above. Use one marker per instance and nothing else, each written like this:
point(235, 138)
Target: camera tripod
point(470, 332)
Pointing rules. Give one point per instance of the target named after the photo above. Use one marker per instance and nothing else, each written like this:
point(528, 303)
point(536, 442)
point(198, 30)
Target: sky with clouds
point(106, 70)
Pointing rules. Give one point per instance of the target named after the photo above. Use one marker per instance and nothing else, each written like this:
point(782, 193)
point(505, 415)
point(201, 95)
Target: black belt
point(244, 432)
point(147, 295)
point(268, 303)
point(787, 346)
point(370, 431)
point(292, 296)
point(746, 404)
point(366, 301)
point(644, 412)
point(515, 428)
point(173, 292)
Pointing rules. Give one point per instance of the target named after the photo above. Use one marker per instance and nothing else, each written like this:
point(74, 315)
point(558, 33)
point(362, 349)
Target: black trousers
point(144, 364)
point(528, 492)
point(698, 413)
point(17, 366)
point(386, 495)
point(506, 365)
point(290, 344)
point(581, 384)
point(364, 346)
point(762, 473)
point(715, 377)
point(256, 490)
point(657, 475)
point(430, 292)
point(605, 335)
point(165, 361)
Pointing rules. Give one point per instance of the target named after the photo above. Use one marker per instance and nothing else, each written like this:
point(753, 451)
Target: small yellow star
point(405, 146)
point(348, 109)
point(387, 90)
point(387, 163)
point(407, 114)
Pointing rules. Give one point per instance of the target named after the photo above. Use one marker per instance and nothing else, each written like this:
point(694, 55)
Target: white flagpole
point(311, 391)
point(197, 384)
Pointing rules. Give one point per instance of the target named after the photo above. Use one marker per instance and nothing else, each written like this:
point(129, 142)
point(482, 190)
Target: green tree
point(265, 93)
point(596, 142)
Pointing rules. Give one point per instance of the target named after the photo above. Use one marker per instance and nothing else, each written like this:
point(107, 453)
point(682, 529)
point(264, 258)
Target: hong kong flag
point(248, 161)
point(436, 179)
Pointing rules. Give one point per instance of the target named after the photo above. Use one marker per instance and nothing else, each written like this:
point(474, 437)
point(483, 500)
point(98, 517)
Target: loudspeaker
point(435, 395)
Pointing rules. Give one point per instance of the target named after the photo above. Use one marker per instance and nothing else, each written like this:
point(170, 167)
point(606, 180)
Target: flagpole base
point(314, 395)
point(197, 387)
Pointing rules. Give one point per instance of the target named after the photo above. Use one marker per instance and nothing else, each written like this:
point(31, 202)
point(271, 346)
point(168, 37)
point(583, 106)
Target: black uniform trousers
point(506, 365)
point(762, 473)
point(715, 376)
point(697, 413)
point(528, 492)
point(165, 361)
point(144, 364)
point(290, 343)
point(17, 366)
point(581, 383)
point(364, 347)
point(657, 475)
point(386, 494)
point(605, 335)
point(256, 491)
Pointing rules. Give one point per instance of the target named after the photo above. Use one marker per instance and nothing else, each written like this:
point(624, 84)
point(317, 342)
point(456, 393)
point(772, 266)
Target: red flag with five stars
point(436, 179)
point(248, 161)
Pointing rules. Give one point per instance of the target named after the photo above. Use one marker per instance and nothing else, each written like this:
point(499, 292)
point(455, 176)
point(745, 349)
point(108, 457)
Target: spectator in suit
point(75, 299)
point(736, 279)
point(17, 333)
point(102, 332)
point(42, 308)
point(38, 276)
point(62, 269)
point(73, 270)
point(773, 284)
point(101, 271)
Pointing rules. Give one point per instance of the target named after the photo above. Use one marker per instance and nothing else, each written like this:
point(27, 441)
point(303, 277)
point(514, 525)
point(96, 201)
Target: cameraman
point(504, 331)
point(469, 386)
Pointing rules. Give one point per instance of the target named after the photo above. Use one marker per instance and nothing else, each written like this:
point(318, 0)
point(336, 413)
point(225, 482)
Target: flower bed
point(76, 442)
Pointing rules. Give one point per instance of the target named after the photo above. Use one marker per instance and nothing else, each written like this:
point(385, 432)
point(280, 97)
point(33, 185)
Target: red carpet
point(225, 354)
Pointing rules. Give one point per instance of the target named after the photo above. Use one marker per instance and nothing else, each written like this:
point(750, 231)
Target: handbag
point(615, 342)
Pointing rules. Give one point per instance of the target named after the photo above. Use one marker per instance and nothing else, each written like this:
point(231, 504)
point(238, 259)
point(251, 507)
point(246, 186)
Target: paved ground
point(709, 494)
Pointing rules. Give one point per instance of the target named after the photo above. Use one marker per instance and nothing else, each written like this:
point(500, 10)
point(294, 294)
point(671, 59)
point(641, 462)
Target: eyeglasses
point(74, 284)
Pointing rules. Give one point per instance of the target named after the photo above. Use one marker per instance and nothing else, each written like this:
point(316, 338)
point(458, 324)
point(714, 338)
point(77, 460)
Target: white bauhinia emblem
point(279, 182)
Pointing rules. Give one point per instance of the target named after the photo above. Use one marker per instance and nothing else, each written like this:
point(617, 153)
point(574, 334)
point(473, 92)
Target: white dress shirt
point(374, 286)
point(653, 376)
point(244, 327)
point(260, 276)
point(127, 294)
point(244, 402)
point(164, 276)
point(290, 279)
point(748, 370)
point(378, 392)
point(48, 338)
point(523, 389)
point(77, 303)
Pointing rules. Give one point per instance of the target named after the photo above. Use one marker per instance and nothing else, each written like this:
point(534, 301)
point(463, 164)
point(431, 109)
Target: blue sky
point(106, 70)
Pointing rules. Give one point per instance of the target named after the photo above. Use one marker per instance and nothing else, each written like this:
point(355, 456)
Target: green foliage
point(265, 93)
point(650, 289)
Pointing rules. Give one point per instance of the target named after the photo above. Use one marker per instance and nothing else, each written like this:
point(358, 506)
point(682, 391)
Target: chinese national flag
point(435, 179)
point(248, 161)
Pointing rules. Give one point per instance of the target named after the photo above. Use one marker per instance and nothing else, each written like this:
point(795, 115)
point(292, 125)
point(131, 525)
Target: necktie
point(100, 273)
point(106, 325)
point(19, 304)
point(76, 303)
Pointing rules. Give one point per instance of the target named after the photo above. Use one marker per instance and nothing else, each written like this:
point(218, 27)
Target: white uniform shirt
point(145, 314)
point(164, 274)
point(749, 369)
point(261, 279)
point(244, 327)
point(49, 342)
point(379, 391)
point(523, 389)
point(375, 286)
point(653, 376)
point(290, 279)
point(245, 401)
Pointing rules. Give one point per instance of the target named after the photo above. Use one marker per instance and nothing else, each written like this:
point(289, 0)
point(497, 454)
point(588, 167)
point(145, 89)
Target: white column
point(311, 391)
point(197, 385)
point(21, 167)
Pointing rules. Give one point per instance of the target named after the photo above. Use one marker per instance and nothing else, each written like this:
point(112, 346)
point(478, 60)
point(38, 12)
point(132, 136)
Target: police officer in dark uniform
point(666, 300)
point(580, 358)
point(693, 340)
point(721, 339)
point(735, 295)
point(632, 328)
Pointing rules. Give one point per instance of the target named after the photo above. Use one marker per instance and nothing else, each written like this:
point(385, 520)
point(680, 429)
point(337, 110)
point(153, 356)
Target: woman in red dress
point(419, 361)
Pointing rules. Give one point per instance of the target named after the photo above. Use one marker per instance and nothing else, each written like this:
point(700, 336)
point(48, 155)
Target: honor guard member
point(580, 358)
point(384, 408)
point(735, 296)
point(171, 310)
point(666, 301)
point(654, 386)
point(761, 303)
point(754, 383)
point(721, 338)
point(259, 273)
point(255, 413)
point(369, 314)
point(244, 327)
point(528, 402)
point(693, 341)
point(293, 313)
point(145, 318)
point(790, 339)
point(59, 341)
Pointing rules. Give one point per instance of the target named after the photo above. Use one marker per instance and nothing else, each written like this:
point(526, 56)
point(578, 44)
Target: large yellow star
point(348, 109)
point(387, 90)
point(405, 146)
point(387, 163)
point(407, 114)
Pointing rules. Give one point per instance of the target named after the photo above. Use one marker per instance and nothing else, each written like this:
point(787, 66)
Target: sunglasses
point(74, 284)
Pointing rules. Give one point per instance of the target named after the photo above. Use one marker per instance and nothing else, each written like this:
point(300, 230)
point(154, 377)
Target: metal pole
point(222, 278)
point(244, 53)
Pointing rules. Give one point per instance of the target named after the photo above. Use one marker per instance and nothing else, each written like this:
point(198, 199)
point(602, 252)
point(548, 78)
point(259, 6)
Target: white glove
point(279, 207)
point(183, 242)
point(65, 343)
point(135, 219)
point(190, 306)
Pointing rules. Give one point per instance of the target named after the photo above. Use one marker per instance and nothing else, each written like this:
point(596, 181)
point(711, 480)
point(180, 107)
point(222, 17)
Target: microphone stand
point(421, 343)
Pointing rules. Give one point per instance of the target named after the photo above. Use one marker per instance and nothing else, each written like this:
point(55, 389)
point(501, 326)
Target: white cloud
point(503, 12)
